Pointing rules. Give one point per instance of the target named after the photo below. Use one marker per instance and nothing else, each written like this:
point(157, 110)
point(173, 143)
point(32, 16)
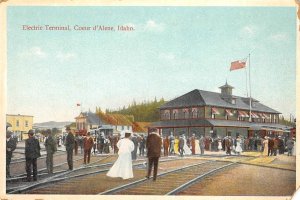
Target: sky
point(171, 51)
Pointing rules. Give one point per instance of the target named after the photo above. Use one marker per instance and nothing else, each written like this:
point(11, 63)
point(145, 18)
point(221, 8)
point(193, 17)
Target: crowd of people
point(129, 146)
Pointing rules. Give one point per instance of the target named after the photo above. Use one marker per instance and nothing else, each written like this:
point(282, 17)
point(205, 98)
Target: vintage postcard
point(148, 99)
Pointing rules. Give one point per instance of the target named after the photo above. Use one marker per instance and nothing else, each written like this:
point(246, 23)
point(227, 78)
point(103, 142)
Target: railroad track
point(171, 182)
point(19, 160)
point(78, 175)
point(58, 169)
point(92, 179)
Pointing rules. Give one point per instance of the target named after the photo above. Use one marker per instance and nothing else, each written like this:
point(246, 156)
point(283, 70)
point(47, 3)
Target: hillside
point(142, 112)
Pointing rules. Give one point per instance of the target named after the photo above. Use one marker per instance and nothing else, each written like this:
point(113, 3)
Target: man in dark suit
point(10, 147)
point(228, 144)
point(88, 143)
point(135, 141)
point(166, 144)
point(50, 145)
point(32, 152)
point(153, 145)
point(270, 146)
point(202, 144)
point(70, 142)
point(280, 145)
point(142, 143)
point(193, 144)
point(180, 146)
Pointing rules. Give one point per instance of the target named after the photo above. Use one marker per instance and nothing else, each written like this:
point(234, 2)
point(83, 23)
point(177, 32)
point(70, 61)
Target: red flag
point(239, 64)
point(78, 104)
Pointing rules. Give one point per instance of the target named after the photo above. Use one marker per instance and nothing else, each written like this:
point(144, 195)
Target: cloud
point(153, 26)
point(279, 37)
point(35, 52)
point(248, 31)
point(66, 56)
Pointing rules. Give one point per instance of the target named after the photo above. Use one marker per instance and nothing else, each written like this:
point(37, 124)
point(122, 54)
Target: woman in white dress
point(123, 166)
point(197, 147)
point(186, 149)
point(219, 144)
point(238, 148)
point(266, 144)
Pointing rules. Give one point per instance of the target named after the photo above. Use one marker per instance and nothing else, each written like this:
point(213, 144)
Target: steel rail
point(129, 185)
point(19, 160)
point(58, 178)
point(23, 176)
point(197, 179)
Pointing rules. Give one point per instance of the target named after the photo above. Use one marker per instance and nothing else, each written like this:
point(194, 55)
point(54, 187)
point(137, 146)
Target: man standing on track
point(181, 145)
point(88, 143)
point(153, 145)
point(134, 139)
point(50, 145)
point(70, 142)
point(10, 147)
point(166, 144)
point(172, 143)
point(228, 144)
point(202, 144)
point(32, 152)
point(192, 142)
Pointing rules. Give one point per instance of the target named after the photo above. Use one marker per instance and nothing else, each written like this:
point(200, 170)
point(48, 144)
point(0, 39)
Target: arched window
point(175, 114)
point(167, 114)
point(185, 113)
point(194, 113)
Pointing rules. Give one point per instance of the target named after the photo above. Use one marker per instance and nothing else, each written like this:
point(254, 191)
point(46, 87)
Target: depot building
point(217, 115)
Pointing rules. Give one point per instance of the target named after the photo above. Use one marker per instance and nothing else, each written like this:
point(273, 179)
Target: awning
point(254, 115)
point(229, 112)
point(242, 114)
point(215, 111)
point(261, 115)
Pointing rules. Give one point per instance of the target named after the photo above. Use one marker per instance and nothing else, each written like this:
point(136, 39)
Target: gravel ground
point(244, 180)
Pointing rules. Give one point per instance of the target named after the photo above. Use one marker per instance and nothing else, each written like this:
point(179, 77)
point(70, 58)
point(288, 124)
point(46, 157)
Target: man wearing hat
point(32, 152)
point(135, 141)
point(50, 145)
point(88, 143)
point(202, 144)
point(10, 147)
point(70, 143)
point(193, 144)
point(181, 145)
point(153, 145)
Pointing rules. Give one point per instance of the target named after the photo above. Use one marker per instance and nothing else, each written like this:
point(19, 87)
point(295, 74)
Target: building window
point(166, 114)
point(17, 123)
point(194, 113)
point(233, 101)
point(185, 113)
point(26, 123)
point(175, 114)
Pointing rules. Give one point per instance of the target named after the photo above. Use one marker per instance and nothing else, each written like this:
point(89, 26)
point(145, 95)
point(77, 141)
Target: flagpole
point(250, 102)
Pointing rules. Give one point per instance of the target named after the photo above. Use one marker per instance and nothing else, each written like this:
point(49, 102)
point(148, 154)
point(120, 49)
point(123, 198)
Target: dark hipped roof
point(112, 119)
point(92, 118)
point(206, 98)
